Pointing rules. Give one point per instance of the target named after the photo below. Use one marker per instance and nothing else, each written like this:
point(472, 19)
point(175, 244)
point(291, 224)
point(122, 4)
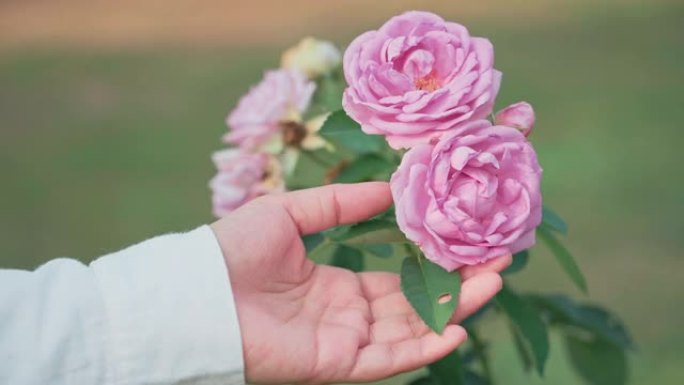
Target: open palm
point(308, 323)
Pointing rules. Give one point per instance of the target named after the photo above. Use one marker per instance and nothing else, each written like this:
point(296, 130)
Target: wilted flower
point(280, 98)
point(294, 137)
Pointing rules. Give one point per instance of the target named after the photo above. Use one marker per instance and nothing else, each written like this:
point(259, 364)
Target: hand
point(308, 323)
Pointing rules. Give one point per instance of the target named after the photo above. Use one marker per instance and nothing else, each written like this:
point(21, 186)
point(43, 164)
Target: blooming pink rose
point(242, 176)
point(282, 96)
point(519, 115)
point(471, 197)
point(418, 76)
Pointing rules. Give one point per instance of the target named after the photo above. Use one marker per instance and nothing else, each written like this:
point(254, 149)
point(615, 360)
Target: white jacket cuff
point(171, 312)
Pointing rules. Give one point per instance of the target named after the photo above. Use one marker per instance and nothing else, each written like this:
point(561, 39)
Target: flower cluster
point(466, 191)
point(412, 103)
point(267, 129)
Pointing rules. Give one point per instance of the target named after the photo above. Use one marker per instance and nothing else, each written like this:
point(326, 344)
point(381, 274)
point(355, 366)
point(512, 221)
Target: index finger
point(320, 208)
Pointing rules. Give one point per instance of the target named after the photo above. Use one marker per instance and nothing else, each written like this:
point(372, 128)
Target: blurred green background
point(109, 112)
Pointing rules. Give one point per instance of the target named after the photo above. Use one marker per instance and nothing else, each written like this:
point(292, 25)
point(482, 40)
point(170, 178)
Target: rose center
point(427, 83)
point(293, 133)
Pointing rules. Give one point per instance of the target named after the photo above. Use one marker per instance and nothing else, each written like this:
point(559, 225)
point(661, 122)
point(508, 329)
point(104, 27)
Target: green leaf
point(371, 232)
point(590, 318)
point(348, 258)
point(335, 233)
point(329, 90)
point(527, 321)
point(382, 250)
point(472, 378)
point(605, 325)
point(389, 214)
point(363, 228)
point(364, 168)
point(523, 352)
point(468, 354)
point(308, 172)
point(553, 221)
point(431, 290)
point(597, 361)
point(425, 380)
point(563, 256)
point(519, 262)
point(342, 130)
point(380, 236)
point(448, 370)
point(316, 245)
point(480, 349)
point(312, 241)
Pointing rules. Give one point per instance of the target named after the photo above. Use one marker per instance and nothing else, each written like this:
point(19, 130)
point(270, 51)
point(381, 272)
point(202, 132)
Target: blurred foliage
point(100, 149)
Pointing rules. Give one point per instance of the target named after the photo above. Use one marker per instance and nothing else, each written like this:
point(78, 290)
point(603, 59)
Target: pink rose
point(242, 176)
point(519, 115)
point(418, 76)
point(471, 197)
point(282, 96)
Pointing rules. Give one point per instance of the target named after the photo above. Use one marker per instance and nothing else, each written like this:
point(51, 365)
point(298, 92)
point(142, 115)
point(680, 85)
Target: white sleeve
point(159, 312)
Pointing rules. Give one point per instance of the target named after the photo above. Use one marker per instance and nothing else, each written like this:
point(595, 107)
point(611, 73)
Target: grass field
point(100, 148)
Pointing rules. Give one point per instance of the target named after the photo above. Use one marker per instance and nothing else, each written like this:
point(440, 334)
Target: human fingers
point(317, 209)
point(495, 265)
point(475, 293)
point(378, 284)
point(381, 360)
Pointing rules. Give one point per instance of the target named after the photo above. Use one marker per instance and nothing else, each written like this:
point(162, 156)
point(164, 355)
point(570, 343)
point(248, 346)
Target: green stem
point(481, 352)
point(413, 250)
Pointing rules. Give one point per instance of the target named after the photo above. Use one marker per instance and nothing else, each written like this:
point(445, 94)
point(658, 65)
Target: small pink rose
point(418, 76)
point(519, 115)
point(242, 176)
point(471, 197)
point(282, 96)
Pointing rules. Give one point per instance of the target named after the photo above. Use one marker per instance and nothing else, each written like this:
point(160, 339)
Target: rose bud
point(519, 115)
point(312, 57)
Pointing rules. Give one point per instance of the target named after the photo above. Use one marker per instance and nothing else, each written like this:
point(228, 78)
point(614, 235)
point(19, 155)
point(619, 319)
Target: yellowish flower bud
point(312, 57)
